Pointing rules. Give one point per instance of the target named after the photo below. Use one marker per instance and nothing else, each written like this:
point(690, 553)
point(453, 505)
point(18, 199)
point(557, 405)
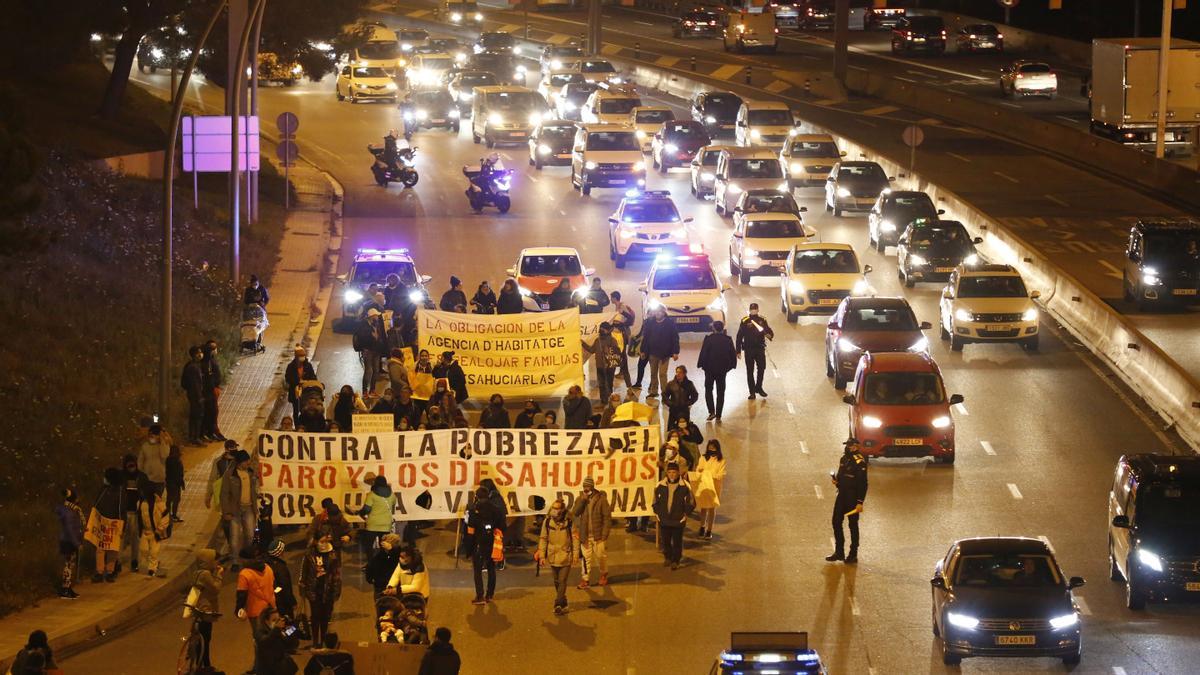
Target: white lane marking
point(1083, 606)
point(791, 408)
point(560, 211)
point(644, 23)
point(1056, 200)
point(1112, 270)
point(906, 79)
point(1011, 105)
point(1118, 670)
point(854, 609)
point(531, 176)
point(1072, 120)
point(962, 408)
point(1016, 494)
point(774, 371)
point(955, 156)
point(1006, 177)
point(817, 491)
point(987, 448)
point(862, 121)
point(803, 448)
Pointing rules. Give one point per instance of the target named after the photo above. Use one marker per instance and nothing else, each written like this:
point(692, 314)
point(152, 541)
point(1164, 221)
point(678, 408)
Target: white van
point(763, 123)
point(747, 31)
point(505, 114)
point(740, 169)
point(606, 155)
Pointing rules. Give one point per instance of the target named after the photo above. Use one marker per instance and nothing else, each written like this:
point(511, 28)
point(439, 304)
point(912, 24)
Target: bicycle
point(193, 644)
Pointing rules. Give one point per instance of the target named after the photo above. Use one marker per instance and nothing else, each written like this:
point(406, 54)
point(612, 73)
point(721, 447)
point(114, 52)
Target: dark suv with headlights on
point(697, 22)
point(717, 111)
point(930, 250)
point(1004, 596)
point(893, 212)
point(980, 37)
point(919, 34)
point(1162, 263)
point(870, 324)
point(1154, 532)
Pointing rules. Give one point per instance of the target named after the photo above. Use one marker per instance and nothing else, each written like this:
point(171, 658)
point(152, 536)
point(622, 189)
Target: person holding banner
point(509, 301)
point(484, 301)
point(449, 368)
point(594, 300)
point(343, 406)
point(608, 357)
point(577, 408)
point(494, 416)
point(397, 371)
point(454, 300)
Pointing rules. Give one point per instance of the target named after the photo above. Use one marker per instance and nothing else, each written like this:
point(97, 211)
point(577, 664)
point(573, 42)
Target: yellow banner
point(534, 354)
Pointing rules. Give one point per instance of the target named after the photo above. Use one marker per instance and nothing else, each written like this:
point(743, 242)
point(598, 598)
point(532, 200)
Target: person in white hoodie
point(410, 575)
point(712, 465)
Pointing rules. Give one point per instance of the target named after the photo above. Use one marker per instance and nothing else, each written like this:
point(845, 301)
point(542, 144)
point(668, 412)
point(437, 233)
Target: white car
point(555, 57)
point(646, 120)
point(552, 83)
point(688, 289)
point(365, 83)
point(817, 276)
point(373, 266)
point(599, 70)
point(1028, 78)
point(646, 224)
point(428, 71)
point(411, 38)
point(988, 303)
point(703, 169)
point(809, 158)
point(766, 123)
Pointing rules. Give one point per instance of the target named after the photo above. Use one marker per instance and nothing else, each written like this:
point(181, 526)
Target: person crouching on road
point(593, 517)
point(321, 583)
point(556, 548)
point(712, 470)
point(672, 503)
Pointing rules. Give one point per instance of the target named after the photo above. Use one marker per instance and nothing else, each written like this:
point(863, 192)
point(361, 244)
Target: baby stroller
point(402, 619)
point(254, 324)
point(311, 400)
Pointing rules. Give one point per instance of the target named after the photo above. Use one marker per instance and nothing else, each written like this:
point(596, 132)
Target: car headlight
point(519, 75)
point(456, 17)
point(755, 133)
point(717, 305)
point(972, 259)
point(543, 149)
point(460, 57)
point(567, 105)
point(671, 147)
point(478, 16)
point(535, 118)
point(733, 188)
point(422, 114)
point(589, 165)
point(917, 260)
point(454, 113)
point(795, 287)
point(887, 226)
point(297, 69)
point(1150, 560)
point(466, 96)
point(963, 315)
point(793, 132)
point(639, 166)
point(555, 64)
point(709, 119)
point(797, 167)
point(1030, 314)
point(616, 80)
point(750, 252)
point(495, 118)
point(627, 232)
point(845, 345)
point(783, 187)
point(525, 291)
point(962, 620)
point(1150, 276)
point(654, 304)
point(941, 422)
point(641, 134)
point(408, 116)
point(416, 297)
point(871, 422)
point(861, 287)
point(406, 47)
point(843, 192)
point(359, 85)
point(706, 175)
point(1064, 621)
point(679, 233)
point(352, 296)
point(921, 345)
point(580, 292)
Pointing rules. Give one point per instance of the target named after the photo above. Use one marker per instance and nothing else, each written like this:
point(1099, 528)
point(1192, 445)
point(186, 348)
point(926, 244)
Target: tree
point(20, 192)
point(133, 19)
point(42, 35)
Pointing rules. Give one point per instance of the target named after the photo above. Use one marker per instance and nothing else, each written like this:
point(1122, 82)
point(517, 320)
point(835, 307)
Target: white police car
point(373, 266)
point(646, 224)
point(783, 653)
point(687, 287)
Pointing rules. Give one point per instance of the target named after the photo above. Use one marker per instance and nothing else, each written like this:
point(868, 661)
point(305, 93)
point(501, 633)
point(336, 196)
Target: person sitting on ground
point(330, 660)
point(36, 651)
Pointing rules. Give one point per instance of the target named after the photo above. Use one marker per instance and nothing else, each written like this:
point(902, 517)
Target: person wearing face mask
point(556, 548)
point(211, 372)
point(717, 357)
point(851, 483)
point(192, 382)
point(484, 300)
point(525, 418)
point(406, 410)
point(449, 368)
point(679, 395)
point(494, 416)
point(509, 301)
point(689, 438)
point(298, 370)
point(397, 371)
point(443, 398)
point(386, 405)
point(595, 299)
point(752, 337)
point(152, 458)
point(660, 345)
point(593, 516)
point(343, 406)
point(577, 408)
point(239, 500)
point(321, 582)
point(383, 562)
point(608, 356)
point(712, 470)
point(454, 300)
point(673, 502)
point(620, 333)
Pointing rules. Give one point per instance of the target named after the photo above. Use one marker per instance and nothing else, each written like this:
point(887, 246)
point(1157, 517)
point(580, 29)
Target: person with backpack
point(207, 584)
point(285, 592)
point(329, 659)
point(370, 341)
point(556, 548)
point(483, 521)
point(378, 510)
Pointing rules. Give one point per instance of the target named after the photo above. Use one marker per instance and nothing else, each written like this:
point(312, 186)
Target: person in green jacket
point(378, 510)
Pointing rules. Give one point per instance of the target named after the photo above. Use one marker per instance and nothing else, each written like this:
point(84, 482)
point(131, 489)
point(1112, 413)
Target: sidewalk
point(252, 391)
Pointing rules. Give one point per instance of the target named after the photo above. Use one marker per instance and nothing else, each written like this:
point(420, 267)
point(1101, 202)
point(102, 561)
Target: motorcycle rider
point(390, 150)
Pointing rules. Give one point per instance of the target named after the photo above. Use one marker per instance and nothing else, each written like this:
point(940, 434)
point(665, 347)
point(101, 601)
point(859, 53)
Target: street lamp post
point(1164, 59)
point(236, 87)
point(165, 348)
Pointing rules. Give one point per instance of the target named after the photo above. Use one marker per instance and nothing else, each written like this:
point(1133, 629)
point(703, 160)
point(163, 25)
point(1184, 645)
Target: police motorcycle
point(489, 185)
point(401, 170)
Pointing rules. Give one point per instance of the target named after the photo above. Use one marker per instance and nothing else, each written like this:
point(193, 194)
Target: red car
point(869, 324)
point(900, 407)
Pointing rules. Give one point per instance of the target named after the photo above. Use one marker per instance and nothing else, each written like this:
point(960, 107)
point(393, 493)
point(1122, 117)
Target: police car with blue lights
point(646, 223)
point(782, 653)
point(687, 288)
point(373, 266)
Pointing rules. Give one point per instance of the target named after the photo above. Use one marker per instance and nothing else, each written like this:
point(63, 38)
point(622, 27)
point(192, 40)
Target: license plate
point(1192, 586)
point(618, 181)
point(566, 156)
point(986, 44)
point(651, 249)
point(918, 39)
point(518, 134)
point(687, 319)
point(1016, 639)
point(438, 121)
point(1183, 291)
point(998, 327)
point(828, 301)
point(906, 441)
point(776, 263)
point(943, 270)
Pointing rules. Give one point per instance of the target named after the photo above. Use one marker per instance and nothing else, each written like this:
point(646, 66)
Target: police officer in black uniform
point(851, 484)
point(752, 337)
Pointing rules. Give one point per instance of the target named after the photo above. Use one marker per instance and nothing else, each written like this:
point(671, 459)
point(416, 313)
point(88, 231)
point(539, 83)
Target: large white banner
point(442, 468)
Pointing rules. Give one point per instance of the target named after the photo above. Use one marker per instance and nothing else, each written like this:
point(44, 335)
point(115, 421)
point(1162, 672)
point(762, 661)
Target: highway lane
point(1077, 215)
point(1050, 424)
